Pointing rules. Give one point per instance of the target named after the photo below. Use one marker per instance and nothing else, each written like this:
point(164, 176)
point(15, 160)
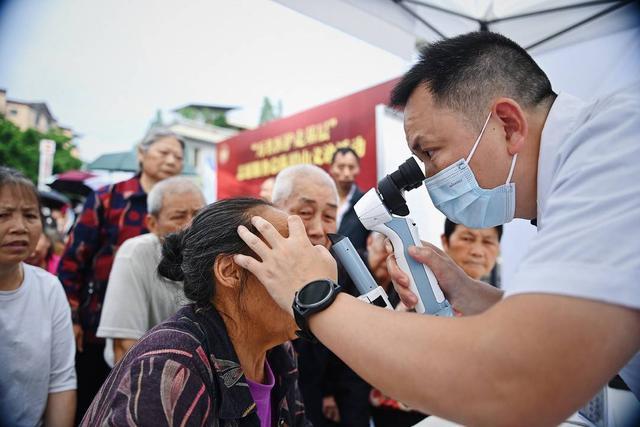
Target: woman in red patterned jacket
point(224, 360)
point(110, 216)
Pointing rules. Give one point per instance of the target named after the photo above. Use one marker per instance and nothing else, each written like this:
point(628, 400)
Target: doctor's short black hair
point(466, 73)
point(450, 227)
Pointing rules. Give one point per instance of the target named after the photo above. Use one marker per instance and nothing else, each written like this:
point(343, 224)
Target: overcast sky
point(105, 67)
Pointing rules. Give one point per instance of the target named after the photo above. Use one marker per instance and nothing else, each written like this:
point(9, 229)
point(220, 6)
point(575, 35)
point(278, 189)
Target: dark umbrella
point(73, 182)
point(53, 200)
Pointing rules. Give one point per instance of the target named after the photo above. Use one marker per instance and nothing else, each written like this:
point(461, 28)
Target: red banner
point(312, 136)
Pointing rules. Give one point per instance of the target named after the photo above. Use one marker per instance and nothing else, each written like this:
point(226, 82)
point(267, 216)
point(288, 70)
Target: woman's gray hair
point(173, 185)
point(286, 179)
point(156, 134)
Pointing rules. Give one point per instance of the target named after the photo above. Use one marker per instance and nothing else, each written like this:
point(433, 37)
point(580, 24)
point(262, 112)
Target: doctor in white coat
point(497, 143)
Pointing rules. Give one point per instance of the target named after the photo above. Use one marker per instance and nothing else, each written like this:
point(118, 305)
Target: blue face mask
point(456, 193)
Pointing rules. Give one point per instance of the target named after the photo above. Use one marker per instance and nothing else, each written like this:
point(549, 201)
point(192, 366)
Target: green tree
point(21, 149)
point(220, 120)
point(157, 121)
point(212, 116)
point(269, 111)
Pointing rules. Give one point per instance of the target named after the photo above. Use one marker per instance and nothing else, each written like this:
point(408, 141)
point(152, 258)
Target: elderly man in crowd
point(110, 216)
point(331, 390)
point(137, 298)
point(266, 188)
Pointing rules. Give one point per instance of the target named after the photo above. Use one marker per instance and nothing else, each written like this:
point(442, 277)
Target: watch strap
point(301, 314)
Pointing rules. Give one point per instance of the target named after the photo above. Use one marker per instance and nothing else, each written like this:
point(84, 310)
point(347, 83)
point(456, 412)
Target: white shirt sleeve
point(62, 376)
point(589, 245)
point(125, 312)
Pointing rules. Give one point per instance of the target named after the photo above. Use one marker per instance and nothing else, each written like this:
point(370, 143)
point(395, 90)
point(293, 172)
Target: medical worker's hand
point(285, 264)
point(467, 296)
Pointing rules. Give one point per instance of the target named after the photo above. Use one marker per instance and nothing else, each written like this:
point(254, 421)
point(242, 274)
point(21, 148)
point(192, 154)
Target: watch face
point(314, 293)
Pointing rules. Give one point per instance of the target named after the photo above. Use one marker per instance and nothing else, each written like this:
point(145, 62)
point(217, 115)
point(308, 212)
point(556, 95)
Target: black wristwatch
point(312, 298)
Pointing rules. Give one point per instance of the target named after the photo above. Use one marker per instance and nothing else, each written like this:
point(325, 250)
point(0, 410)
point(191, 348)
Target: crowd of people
point(162, 310)
point(114, 319)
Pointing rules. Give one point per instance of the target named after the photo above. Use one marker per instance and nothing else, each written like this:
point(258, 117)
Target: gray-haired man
point(137, 298)
point(331, 390)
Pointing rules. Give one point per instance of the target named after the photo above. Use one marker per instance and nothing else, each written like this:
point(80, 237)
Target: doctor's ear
point(513, 121)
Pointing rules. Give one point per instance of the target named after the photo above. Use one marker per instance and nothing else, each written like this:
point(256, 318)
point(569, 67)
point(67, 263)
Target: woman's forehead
point(276, 217)
point(18, 195)
point(166, 142)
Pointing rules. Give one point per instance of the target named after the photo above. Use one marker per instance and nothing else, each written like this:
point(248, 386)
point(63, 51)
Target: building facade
point(30, 115)
point(201, 127)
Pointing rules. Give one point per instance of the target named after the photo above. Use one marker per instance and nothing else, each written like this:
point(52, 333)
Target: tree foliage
point(21, 149)
point(269, 111)
point(157, 121)
point(209, 116)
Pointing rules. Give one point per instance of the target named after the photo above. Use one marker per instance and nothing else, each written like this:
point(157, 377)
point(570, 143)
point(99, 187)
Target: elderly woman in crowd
point(225, 359)
point(37, 376)
point(110, 216)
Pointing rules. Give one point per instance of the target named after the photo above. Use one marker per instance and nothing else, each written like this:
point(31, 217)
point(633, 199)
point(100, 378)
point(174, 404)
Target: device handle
point(402, 232)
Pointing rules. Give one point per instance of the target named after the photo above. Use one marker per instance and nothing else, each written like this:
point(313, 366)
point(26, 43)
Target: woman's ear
point(226, 272)
point(514, 123)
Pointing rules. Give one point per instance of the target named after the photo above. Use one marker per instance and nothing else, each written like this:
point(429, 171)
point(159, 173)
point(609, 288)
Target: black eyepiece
point(407, 177)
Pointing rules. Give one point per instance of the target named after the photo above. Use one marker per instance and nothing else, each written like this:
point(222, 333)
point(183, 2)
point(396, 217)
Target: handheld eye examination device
point(369, 290)
point(384, 209)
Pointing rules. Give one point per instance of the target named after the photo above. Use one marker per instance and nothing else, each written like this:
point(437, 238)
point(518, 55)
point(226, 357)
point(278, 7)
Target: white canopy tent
point(587, 48)
point(539, 25)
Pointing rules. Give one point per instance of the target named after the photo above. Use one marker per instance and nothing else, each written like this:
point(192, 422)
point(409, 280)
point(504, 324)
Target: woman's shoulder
point(36, 273)
point(41, 280)
point(44, 290)
point(168, 373)
point(179, 337)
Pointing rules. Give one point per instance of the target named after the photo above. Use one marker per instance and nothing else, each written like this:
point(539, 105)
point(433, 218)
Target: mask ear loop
point(475, 145)
point(513, 166)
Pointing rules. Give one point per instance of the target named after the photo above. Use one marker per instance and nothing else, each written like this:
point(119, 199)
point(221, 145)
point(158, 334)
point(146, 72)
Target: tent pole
point(419, 18)
point(438, 8)
point(580, 23)
point(558, 9)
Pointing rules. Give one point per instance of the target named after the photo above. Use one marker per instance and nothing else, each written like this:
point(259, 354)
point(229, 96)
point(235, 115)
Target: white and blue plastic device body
point(403, 232)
